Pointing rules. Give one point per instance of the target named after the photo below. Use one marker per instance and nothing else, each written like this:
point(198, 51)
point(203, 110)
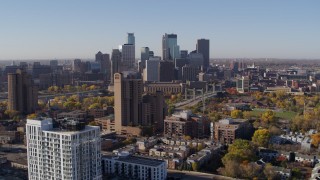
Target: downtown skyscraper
point(203, 47)
point(170, 48)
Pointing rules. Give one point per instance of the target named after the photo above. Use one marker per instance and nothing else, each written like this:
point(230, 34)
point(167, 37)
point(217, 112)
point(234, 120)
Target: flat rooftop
point(139, 160)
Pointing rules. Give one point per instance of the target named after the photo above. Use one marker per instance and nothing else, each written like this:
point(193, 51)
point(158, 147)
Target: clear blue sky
point(38, 29)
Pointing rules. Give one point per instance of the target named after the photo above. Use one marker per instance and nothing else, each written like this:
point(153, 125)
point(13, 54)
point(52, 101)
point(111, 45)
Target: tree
point(261, 137)
point(171, 109)
point(247, 115)
point(236, 114)
point(269, 172)
point(187, 138)
point(241, 150)
point(53, 89)
point(93, 123)
point(231, 169)
point(214, 116)
point(200, 147)
point(95, 106)
point(11, 113)
point(195, 166)
point(315, 139)
point(268, 117)
point(31, 116)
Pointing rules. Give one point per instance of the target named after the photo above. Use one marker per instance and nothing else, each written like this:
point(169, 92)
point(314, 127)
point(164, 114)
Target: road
point(69, 94)
point(50, 96)
point(191, 175)
point(193, 101)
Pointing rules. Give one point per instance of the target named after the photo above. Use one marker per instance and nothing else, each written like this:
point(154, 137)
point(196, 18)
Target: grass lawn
point(280, 114)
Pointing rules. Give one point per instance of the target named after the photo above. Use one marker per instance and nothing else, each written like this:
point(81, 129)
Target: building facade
point(135, 167)
point(170, 48)
point(166, 71)
point(62, 153)
point(203, 47)
point(128, 56)
point(151, 71)
point(22, 94)
point(227, 130)
point(127, 101)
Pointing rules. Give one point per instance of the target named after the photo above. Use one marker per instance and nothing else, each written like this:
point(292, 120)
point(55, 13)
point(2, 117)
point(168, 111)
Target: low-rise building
point(267, 154)
point(186, 124)
point(146, 143)
point(227, 130)
point(134, 167)
point(10, 137)
point(165, 87)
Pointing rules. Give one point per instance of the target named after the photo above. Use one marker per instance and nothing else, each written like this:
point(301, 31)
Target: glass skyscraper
point(170, 48)
point(131, 39)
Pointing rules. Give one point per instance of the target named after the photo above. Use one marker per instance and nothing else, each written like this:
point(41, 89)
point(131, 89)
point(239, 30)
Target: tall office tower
point(170, 49)
point(22, 94)
point(196, 60)
point(76, 65)
point(131, 39)
point(150, 72)
point(153, 111)
point(127, 101)
point(70, 152)
point(99, 56)
point(115, 63)
point(128, 56)
point(144, 56)
point(151, 54)
point(183, 53)
point(203, 47)
point(166, 71)
point(234, 66)
point(105, 65)
point(53, 63)
point(189, 73)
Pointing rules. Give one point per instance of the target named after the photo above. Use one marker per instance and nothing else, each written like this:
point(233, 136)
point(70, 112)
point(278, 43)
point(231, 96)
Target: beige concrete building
point(22, 95)
point(127, 99)
point(243, 84)
point(165, 87)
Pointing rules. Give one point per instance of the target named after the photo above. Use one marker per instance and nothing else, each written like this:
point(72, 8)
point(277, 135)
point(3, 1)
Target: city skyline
point(246, 29)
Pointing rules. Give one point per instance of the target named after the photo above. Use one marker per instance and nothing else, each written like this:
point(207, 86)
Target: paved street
point(190, 175)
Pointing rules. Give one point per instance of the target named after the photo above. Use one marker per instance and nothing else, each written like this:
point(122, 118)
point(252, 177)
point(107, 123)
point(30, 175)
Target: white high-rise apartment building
point(57, 153)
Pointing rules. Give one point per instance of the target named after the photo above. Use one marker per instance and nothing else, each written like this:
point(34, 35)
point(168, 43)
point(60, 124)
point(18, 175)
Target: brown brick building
point(186, 124)
point(227, 130)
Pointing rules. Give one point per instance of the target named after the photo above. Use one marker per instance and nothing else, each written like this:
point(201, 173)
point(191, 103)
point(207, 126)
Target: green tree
point(247, 115)
point(261, 137)
point(236, 114)
point(95, 106)
point(171, 109)
point(268, 117)
point(32, 116)
point(241, 150)
point(11, 113)
point(195, 166)
point(214, 116)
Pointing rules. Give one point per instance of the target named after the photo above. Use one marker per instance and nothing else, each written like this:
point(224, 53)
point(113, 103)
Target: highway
point(191, 175)
point(193, 101)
